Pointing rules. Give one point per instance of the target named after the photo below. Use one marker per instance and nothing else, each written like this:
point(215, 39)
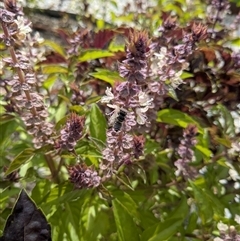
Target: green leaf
point(98, 123)
point(181, 211)
point(227, 122)
point(61, 111)
point(126, 228)
point(176, 117)
point(20, 159)
point(205, 151)
point(186, 75)
point(54, 69)
point(192, 222)
point(8, 125)
point(91, 54)
point(129, 204)
point(162, 231)
point(56, 47)
point(106, 75)
point(208, 203)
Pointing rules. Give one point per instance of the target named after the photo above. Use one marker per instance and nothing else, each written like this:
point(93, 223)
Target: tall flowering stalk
point(122, 146)
point(29, 103)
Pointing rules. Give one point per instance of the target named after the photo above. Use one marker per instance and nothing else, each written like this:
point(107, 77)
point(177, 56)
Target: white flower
point(162, 57)
point(237, 218)
point(145, 102)
point(108, 97)
point(114, 113)
point(144, 99)
point(141, 116)
point(222, 227)
point(234, 174)
point(23, 28)
point(176, 80)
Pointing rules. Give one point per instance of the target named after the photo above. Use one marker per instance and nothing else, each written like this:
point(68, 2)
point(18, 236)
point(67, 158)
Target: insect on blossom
point(119, 120)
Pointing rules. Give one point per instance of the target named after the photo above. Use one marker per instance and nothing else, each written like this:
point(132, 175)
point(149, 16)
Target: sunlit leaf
point(98, 123)
point(176, 117)
point(123, 223)
point(55, 46)
point(91, 54)
point(20, 159)
point(54, 69)
point(107, 76)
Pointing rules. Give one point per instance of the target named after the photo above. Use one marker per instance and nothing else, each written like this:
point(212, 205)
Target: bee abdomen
point(119, 120)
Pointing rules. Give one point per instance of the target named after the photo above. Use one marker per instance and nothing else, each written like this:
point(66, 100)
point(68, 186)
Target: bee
point(119, 120)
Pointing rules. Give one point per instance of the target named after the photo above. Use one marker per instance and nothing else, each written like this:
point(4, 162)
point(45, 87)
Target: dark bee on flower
point(119, 120)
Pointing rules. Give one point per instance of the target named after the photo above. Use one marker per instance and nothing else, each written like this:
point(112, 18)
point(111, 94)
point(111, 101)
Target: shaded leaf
point(27, 222)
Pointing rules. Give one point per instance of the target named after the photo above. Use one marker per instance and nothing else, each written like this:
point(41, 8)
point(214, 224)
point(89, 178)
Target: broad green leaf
point(106, 75)
point(162, 231)
point(186, 75)
point(181, 211)
point(224, 141)
point(92, 100)
point(55, 46)
point(126, 228)
point(226, 120)
point(85, 148)
point(128, 203)
point(205, 151)
point(98, 123)
point(49, 81)
point(54, 69)
point(8, 125)
point(172, 93)
point(176, 117)
point(61, 111)
point(77, 108)
point(7, 193)
point(20, 159)
point(6, 118)
point(91, 54)
point(115, 46)
point(204, 205)
point(192, 222)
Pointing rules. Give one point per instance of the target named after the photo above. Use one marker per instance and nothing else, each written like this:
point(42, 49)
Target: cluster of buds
point(186, 153)
point(173, 48)
point(83, 177)
point(71, 133)
point(28, 102)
